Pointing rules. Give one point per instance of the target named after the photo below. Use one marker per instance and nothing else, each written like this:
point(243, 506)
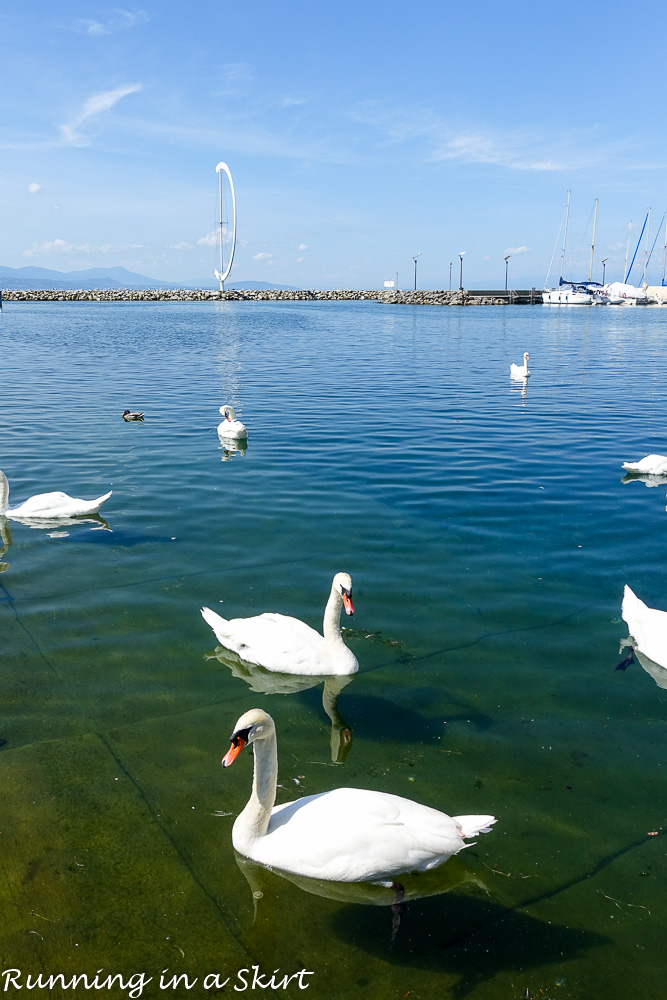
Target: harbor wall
point(389, 296)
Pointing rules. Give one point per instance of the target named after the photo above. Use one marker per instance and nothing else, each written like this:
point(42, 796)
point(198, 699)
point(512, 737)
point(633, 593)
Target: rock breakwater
point(388, 296)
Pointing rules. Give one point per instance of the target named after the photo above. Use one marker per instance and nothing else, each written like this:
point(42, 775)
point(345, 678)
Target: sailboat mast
point(664, 252)
point(567, 216)
point(627, 251)
point(595, 222)
point(646, 253)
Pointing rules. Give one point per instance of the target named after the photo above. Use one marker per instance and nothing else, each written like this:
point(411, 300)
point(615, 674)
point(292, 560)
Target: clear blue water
point(489, 536)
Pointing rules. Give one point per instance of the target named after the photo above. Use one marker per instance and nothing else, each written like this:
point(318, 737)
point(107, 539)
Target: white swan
point(287, 645)
point(652, 465)
point(520, 371)
point(54, 505)
point(230, 426)
point(647, 626)
point(343, 835)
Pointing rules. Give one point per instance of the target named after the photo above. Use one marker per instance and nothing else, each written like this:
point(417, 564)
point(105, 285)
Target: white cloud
point(303, 246)
point(262, 256)
point(34, 188)
point(119, 20)
point(59, 246)
point(211, 239)
point(181, 246)
point(95, 105)
point(299, 260)
point(515, 250)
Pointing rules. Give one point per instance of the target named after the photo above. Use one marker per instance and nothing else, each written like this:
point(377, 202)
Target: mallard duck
point(127, 415)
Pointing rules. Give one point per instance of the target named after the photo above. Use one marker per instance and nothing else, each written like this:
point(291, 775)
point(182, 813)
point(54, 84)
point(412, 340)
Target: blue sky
point(358, 134)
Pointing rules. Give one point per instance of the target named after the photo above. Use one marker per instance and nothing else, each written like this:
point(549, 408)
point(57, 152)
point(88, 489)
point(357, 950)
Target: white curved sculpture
point(220, 274)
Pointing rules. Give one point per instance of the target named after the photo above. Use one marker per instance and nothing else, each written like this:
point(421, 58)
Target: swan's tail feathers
point(631, 607)
point(100, 500)
point(217, 623)
point(471, 826)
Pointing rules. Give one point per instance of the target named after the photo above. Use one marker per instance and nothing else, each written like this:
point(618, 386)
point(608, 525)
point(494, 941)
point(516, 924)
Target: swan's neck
point(253, 822)
point(4, 493)
point(331, 623)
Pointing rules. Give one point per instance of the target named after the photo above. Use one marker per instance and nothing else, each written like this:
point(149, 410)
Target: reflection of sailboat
point(263, 681)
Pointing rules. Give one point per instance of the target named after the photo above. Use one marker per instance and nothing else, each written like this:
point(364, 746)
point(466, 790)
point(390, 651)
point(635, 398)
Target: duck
point(652, 465)
point(287, 645)
point(137, 415)
point(52, 505)
point(341, 835)
point(520, 371)
point(647, 626)
point(230, 426)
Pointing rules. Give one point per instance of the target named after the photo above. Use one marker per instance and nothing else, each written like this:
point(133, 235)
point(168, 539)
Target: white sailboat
point(568, 293)
point(223, 273)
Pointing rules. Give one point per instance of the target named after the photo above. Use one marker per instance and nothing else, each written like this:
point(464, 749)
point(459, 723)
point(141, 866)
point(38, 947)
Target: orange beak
point(347, 603)
point(238, 743)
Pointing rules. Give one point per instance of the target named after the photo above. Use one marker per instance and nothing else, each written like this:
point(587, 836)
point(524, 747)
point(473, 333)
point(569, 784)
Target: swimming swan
point(520, 371)
point(343, 835)
point(652, 465)
point(647, 626)
point(230, 426)
point(284, 644)
point(48, 504)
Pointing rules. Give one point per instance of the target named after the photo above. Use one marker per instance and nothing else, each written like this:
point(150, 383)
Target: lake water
point(489, 536)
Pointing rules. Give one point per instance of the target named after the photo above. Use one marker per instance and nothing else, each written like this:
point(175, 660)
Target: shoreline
point(385, 296)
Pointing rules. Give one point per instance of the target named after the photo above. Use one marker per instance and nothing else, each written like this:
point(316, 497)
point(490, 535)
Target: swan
point(137, 415)
point(647, 626)
point(520, 371)
point(343, 835)
point(230, 426)
point(652, 465)
point(53, 505)
point(287, 645)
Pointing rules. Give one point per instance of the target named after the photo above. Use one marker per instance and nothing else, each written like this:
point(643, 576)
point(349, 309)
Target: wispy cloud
point(262, 256)
point(34, 188)
point(95, 105)
point(119, 20)
point(59, 246)
point(515, 250)
point(303, 246)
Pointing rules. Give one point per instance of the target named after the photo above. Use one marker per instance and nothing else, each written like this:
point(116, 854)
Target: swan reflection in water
point(265, 886)
point(264, 681)
point(522, 383)
point(646, 478)
point(54, 523)
point(229, 451)
point(653, 669)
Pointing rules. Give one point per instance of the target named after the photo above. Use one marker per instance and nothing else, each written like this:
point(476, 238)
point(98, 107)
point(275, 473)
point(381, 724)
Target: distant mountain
point(38, 278)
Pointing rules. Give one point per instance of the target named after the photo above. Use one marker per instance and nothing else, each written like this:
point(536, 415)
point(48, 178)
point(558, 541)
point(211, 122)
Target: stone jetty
point(388, 296)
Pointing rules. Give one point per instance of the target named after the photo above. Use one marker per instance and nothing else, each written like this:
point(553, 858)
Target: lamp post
point(415, 260)
point(450, 275)
point(506, 266)
point(603, 266)
point(461, 256)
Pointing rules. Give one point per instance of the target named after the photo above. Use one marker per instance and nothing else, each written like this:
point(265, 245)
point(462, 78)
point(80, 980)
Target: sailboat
point(568, 293)
point(223, 273)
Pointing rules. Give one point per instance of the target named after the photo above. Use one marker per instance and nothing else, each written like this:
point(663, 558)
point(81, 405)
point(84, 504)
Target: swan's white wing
point(654, 465)
point(57, 504)
point(647, 626)
point(352, 835)
point(277, 642)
